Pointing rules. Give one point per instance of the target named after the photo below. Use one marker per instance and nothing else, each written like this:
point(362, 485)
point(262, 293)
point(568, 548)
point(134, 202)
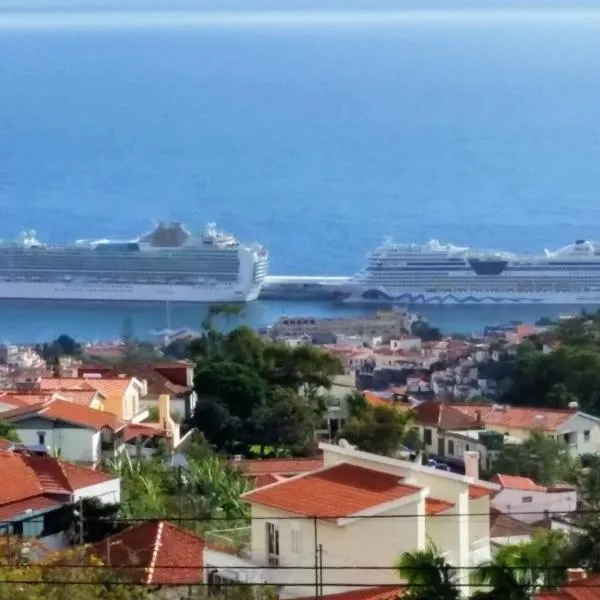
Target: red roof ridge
point(155, 550)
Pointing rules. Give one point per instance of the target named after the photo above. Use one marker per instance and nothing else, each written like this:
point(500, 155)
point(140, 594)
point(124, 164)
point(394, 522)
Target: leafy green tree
point(74, 572)
point(584, 546)
point(540, 457)
point(288, 420)
point(243, 382)
point(379, 429)
point(426, 332)
point(9, 432)
point(428, 576)
point(356, 404)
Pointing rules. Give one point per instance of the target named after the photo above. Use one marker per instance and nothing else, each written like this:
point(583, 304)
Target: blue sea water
point(314, 129)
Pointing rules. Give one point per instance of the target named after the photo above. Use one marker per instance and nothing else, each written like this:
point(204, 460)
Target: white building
point(529, 502)
point(406, 342)
point(359, 513)
point(74, 432)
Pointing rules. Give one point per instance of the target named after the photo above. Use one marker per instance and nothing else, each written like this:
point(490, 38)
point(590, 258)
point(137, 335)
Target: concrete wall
point(515, 503)
point(366, 542)
point(107, 492)
point(578, 425)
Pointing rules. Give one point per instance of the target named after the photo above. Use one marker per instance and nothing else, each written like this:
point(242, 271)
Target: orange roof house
point(33, 486)
point(338, 492)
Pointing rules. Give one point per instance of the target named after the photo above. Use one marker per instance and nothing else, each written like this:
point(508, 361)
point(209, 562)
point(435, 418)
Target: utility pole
point(81, 536)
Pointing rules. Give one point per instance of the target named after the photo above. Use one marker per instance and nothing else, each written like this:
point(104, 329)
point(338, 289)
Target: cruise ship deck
point(303, 287)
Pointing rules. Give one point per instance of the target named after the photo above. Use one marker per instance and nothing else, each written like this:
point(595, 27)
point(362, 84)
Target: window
point(427, 436)
point(295, 541)
point(467, 447)
point(272, 544)
point(586, 436)
point(451, 447)
point(527, 499)
point(41, 438)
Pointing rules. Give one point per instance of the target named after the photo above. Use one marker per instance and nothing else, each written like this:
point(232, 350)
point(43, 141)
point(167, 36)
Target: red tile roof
point(63, 410)
point(278, 466)
point(375, 400)
point(19, 482)
point(516, 417)
point(82, 477)
point(582, 589)
point(514, 482)
point(162, 553)
point(149, 430)
point(25, 477)
point(478, 491)
point(434, 506)
point(16, 509)
point(57, 384)
point(339, 491)
point(444, 416)
point(504, 525)
point(385, 592)
point(19, 399)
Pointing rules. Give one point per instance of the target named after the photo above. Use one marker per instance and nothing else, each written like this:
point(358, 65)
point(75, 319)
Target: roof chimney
point(471, 460)
point(575, 575)
point(573, 407)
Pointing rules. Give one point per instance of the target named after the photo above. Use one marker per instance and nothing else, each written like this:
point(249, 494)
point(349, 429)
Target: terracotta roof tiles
point(278, 466)
point(513, 417)
point(434, 506)
point(155, 547)
point(63, 410)
point(339, 491)
point(514, 482)
point(385, 592)
point(444, 416)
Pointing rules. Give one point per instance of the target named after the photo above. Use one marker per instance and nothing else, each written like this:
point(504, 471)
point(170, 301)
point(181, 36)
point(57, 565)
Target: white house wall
point(511, 501)
point(362, 547)
point(74, 443)
point(579, 424)
point(107, 492)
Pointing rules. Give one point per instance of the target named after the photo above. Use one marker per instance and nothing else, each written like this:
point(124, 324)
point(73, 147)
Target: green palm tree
point(428, 576)
point(520, 570)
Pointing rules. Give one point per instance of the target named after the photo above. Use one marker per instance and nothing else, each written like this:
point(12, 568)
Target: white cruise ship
point(167, 264)
point(436, 273)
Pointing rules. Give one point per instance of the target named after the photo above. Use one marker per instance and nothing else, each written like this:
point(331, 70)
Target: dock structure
point(305, 287)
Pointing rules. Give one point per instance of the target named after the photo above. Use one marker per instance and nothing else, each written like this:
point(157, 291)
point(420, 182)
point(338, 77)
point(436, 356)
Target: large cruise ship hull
point(126, 292)
point(382, 296)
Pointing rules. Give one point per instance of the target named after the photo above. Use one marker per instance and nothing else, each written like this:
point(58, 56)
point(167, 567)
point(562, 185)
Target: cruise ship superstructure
point(167, 264)
point(435, 273)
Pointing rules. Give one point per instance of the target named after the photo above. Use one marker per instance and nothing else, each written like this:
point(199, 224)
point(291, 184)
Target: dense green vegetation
point(256, 393)
point(378, 429)
point(202, 495)
point(516, 572)
point(570, 372)
point(540, 457)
